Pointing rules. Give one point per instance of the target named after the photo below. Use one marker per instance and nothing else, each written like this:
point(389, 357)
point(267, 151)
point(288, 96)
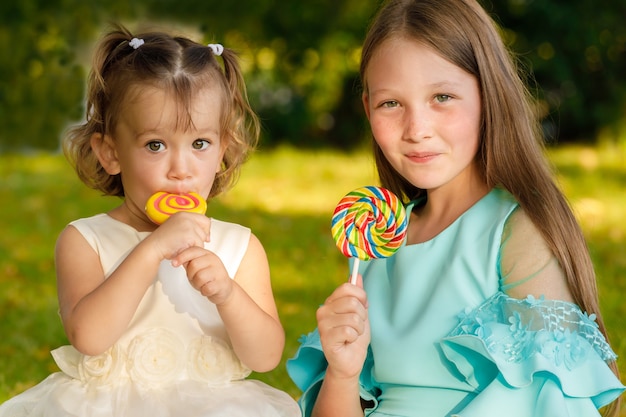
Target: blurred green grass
point(286, 197)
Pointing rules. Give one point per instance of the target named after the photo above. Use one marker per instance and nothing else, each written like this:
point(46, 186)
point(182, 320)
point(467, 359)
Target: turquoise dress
point(447, 341)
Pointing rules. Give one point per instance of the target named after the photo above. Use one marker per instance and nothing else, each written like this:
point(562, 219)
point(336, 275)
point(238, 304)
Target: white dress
point(174, 360)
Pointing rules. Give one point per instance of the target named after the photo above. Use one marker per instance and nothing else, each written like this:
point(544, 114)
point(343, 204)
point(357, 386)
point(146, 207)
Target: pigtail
point(241, 124)
point(77, 146)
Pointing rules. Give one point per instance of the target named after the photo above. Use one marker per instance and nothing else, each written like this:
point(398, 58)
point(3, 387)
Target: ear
point(104, 148)
point(366, 104)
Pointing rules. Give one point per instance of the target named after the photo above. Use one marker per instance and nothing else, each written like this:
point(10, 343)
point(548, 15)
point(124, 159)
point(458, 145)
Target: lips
point(422, 156)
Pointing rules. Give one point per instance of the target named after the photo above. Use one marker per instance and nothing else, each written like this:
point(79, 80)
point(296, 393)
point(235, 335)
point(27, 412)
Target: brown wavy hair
point(511, 153)
point(176, 64)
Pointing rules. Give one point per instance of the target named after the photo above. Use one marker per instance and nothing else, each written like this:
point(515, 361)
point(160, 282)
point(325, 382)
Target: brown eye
point(155, 146)
point(200, 144)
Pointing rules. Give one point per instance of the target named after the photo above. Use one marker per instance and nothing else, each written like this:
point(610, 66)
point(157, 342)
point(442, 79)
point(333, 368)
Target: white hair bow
point(217, 48)
point(136, 42)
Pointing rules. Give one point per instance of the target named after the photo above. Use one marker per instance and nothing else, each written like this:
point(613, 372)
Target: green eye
point(391, 103)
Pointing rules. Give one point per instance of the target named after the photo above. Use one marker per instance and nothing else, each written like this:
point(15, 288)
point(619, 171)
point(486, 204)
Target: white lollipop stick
point(355, 271)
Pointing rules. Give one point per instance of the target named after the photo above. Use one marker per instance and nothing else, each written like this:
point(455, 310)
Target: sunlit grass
point(289, 182)
point(286, 197)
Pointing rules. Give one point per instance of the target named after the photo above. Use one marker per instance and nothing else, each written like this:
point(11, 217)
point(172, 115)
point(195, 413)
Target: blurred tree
point(576, 50)
point(301, 61)
point(303, 66)
point(41, 81)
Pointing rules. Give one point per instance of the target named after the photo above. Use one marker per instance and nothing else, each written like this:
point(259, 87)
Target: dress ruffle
point(60, 395)
point(308, 368)
point(532, 357)
point(154, 376)
point(155, 358)
point(528, 357)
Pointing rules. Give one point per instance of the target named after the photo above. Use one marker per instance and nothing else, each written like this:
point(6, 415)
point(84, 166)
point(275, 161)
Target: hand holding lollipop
point(369, 222)
point(162, 205)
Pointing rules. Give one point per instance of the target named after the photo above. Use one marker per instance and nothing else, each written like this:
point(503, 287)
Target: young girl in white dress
point(163, 320)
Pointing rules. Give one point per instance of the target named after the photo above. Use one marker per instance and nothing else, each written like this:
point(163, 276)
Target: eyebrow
point(441, 84)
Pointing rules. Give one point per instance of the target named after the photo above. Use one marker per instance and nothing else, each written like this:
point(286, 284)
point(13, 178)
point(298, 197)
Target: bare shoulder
point(528, 265)
point(255, 257)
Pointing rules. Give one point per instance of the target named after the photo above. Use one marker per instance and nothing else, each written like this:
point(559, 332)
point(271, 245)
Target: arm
point(345, 336)
point(95, 309)
point(250, 312)
point(246, 303)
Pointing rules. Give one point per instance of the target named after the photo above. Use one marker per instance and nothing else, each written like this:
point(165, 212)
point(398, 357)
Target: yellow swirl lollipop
point(162, 205)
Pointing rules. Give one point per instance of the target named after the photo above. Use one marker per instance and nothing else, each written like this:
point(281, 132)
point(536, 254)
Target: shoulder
point(93, 225)
point(92, 221)
point(521, 234)
point(221, 226)
point(86, 227)
point(78, 242)
point(230, 241)
point(226, 233)
point(527, 264)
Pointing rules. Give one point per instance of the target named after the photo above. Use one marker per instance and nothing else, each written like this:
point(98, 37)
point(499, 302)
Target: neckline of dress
point(412, 204)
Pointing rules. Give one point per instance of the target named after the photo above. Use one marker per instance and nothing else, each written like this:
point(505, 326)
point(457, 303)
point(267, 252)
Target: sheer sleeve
point(527, 265)
point(529, 349)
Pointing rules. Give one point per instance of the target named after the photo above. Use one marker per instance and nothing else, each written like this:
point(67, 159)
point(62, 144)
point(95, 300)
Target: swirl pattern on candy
point(161, 205)
point(369, 222)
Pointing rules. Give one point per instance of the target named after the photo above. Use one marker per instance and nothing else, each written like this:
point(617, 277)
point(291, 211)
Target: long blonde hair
point(176, 64)
point(511, 153)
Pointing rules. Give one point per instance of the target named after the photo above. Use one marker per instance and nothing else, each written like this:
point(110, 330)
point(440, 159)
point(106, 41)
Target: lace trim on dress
point(552, 328)
point(154, 359)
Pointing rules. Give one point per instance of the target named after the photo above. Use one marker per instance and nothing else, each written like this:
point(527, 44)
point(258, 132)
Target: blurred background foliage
point(301, 62)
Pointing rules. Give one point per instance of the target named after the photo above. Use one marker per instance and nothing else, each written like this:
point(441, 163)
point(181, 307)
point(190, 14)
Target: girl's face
point(155, 151)
point(425, 114)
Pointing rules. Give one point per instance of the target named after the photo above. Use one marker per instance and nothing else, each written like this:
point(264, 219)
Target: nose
point(179, 166)
point(417, 124)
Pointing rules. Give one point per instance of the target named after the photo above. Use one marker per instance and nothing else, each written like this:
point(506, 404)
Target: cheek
point(474, 138)
point(215, 164)
point(465, 131)
point(383, 132)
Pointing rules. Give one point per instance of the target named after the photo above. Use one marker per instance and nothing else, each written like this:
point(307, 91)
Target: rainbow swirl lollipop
point(162, 205)
point(369, 222)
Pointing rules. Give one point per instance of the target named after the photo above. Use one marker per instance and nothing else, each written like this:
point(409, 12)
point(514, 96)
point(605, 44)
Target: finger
point(203, 224)
point(345, 313)
point(345, 334)
point(344, 290)
point(345, 305)
point(207, 289)
point(187, 255)
point(341, 332)
point(206, 228)
point(348, 291)
point(198, 269)
point(359, 281)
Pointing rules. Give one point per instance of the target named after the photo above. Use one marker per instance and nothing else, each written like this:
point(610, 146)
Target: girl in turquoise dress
point(490, 308)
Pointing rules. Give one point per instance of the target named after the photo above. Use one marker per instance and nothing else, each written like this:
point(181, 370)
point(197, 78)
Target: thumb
point(207, 229)
point(359, 281)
